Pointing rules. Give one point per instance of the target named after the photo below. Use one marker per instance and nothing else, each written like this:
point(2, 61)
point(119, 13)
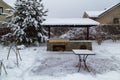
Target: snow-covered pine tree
point(26, 22)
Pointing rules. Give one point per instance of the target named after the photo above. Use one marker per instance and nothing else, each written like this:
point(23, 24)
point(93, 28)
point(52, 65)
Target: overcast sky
point(72, 8)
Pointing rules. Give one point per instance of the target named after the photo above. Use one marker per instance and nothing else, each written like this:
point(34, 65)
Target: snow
point(76, 33)
point(39, 64)
point(70, 21)
point(77, 52)
point(73, 33)
point(96, 14)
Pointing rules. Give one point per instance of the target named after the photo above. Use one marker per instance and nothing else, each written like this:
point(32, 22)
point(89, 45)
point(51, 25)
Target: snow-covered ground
point(39, 64)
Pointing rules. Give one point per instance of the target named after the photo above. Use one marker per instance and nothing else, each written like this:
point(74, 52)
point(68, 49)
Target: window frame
point(116, 20)
point(1, 9)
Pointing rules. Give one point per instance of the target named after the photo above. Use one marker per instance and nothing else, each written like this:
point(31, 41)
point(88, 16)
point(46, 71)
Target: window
point(116, 20)
point(1, 10)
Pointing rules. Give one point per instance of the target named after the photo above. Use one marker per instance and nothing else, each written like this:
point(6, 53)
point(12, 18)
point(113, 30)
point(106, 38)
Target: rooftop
point(95, 14)
point(70, 21)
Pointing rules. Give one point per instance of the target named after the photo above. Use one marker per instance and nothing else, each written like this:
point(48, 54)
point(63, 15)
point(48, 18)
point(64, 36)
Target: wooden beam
point(87, 36)
point(48, 32)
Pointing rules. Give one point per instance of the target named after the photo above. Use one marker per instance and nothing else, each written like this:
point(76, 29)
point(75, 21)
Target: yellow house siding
point(85, 15)
point(4, 6)
point(108, 17)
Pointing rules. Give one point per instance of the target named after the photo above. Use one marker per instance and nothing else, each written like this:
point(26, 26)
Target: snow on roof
point(94, 13)
point(98, 13)
point(70, 21)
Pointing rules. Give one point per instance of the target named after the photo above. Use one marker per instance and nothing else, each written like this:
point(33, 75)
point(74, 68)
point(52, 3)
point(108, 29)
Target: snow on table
point(83, 52)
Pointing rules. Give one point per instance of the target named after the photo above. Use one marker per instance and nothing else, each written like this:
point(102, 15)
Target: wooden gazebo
point(70, 22)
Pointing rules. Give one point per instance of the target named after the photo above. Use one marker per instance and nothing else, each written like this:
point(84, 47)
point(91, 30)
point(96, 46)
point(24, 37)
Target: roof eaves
point(109, 9)
point(94, 17)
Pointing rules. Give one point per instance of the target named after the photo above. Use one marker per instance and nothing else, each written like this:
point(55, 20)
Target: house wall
point(108, 17)
point(5, 6)
point(85, 15)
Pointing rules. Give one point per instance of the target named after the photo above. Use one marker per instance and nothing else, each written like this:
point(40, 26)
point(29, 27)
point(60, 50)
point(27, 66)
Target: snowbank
point(39, 64)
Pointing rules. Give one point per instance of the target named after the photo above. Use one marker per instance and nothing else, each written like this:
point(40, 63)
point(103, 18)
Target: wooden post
point(87, 37)
point(48, 32)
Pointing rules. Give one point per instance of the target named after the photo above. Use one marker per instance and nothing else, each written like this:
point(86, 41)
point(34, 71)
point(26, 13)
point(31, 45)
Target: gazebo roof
point(70, 22)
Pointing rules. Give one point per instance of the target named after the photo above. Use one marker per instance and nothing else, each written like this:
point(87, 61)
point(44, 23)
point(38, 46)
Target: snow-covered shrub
point(95, 33)
point(99, 34)
point(25, 22)
point(104, 32)
point(58, 31)
point(80, 33)
point(112, 31)
point(74, 33)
